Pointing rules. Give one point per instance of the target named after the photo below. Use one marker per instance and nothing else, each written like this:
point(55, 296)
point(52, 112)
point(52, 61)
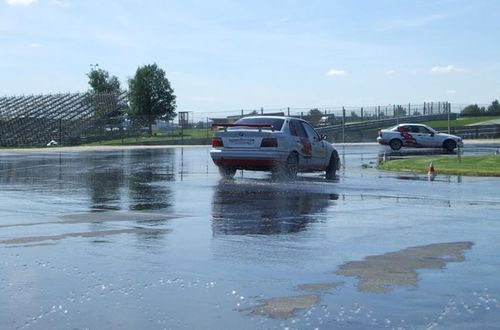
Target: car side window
point(424, 130)
point(297, 130)
point(311, 133)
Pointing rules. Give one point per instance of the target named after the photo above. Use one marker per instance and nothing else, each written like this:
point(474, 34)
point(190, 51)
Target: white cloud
point(410, 23)
point(451, 92)
point(390, 72)
point(20, 2)
point(35, 45)
point(336, 72)
point(446, 69)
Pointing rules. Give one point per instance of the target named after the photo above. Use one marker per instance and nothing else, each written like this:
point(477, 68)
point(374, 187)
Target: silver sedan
point(282, 145)
point(417, 136)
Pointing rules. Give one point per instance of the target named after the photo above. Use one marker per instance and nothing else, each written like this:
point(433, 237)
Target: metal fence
point(336, 115)
point(75, 118)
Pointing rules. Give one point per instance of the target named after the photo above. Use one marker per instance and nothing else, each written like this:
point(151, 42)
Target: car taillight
point(217, 142)
point(269, 142)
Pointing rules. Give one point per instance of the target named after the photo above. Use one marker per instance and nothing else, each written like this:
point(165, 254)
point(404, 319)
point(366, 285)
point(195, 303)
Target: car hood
point(450, 136)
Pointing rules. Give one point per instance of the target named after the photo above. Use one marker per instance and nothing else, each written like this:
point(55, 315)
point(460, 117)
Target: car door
point(424, 137)
point(301, 140)
point(408, 136)
point(318, 148)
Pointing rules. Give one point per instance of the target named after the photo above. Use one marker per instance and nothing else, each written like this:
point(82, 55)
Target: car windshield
point(277, 123)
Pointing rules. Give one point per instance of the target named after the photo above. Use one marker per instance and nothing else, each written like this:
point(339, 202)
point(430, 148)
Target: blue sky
point(225, 55)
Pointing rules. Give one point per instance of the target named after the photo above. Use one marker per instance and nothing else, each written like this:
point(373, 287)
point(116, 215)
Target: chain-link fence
point(83, 118)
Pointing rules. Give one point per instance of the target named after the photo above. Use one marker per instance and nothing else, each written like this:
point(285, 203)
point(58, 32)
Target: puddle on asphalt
point(101, 233)
point(378, 273)
point(283, 307)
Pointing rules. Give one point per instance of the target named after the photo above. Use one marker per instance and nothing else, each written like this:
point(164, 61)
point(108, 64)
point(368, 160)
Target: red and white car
point(282, 145)
point(417, 136)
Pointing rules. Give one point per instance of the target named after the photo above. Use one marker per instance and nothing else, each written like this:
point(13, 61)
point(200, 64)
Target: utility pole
point(448, 111)
point(343, 125)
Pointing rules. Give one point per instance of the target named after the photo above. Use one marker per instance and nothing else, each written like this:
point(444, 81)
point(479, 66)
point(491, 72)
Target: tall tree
point(314, 116)
point(104, 92)
point(399, 111)
point(151, 95)
point(101, 82)
point(472, 109)
point(494, 107)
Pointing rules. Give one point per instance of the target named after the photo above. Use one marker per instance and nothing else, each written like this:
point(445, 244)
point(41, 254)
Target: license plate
point(242, 141)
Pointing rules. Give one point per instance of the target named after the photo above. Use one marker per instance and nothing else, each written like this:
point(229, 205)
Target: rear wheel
point(449, 145)
point(292, 166)
point(227, 172)
point(396, 144)
point(289, 169)
point(331, 170)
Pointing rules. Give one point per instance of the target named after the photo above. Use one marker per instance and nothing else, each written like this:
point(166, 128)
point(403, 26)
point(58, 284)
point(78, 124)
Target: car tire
point(331, 169)
point(395, 144)
point(227, 172)
point(449, 145)
point(292, 166)
point(287, 170)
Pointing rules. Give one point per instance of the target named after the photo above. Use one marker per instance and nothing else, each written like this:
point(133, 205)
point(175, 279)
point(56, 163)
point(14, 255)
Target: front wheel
point(449, 145)
point(396, 144)
point(333, 165)
point(227, 172)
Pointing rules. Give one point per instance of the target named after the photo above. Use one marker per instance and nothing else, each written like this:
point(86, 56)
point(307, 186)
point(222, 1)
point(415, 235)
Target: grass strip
point(468, 165)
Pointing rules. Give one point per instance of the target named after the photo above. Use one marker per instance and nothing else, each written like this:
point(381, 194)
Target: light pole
point(183, 117)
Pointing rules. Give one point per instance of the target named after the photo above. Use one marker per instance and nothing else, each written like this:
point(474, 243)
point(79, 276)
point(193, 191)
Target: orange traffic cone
point(431, 173)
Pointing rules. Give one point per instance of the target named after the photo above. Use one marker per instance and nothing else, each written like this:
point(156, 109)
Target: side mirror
point(324, 137)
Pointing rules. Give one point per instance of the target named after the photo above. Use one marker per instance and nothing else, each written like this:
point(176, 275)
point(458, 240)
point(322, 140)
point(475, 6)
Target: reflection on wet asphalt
point(267, 209)
point(154, 239)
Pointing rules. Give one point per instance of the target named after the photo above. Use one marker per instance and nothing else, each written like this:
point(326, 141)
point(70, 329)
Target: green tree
point(253, 113)
point(400, 111)
point(151, 95)
point(201, 124)
point(472, 109)
point(494, 107)
point(104, 93)
point(314, 116)
point(101, 82)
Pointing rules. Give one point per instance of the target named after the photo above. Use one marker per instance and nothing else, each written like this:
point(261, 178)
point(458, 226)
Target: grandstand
point(64, 118)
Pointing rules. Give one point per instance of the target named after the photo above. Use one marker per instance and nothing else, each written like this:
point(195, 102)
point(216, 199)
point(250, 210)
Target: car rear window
point(276, 122)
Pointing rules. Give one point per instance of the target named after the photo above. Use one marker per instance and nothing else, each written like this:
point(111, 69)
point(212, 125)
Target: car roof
point(407, 124)
point(274, 117)
point(413, 124)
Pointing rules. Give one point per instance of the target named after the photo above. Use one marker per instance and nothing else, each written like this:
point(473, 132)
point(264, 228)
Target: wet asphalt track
point(153, 239)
